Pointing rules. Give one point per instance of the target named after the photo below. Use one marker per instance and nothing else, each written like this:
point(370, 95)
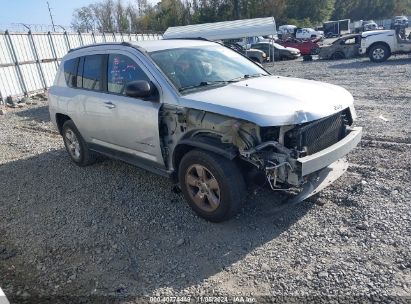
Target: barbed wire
point(24, 27)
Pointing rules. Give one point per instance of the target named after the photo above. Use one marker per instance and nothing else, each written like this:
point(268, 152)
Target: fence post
point(94, 37)
point(67, 40)
point(114, 37)
point(36, 56)
point(53, 50)
point(80, 38)
point(16, 63)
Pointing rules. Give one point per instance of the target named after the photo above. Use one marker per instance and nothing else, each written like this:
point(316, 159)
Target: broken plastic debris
point(383, 118)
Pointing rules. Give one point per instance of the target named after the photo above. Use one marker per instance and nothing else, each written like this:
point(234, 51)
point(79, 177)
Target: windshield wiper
point(213, 82)
point(204, 84)
point(247, 76)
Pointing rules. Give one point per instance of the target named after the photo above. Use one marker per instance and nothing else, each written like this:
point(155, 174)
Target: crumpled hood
point(273, 100)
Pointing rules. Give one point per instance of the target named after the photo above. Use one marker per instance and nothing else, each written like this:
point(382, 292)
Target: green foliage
point(371, 9)
point(108, 15)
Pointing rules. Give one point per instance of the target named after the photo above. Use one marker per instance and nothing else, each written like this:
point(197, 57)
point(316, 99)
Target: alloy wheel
point(203, 187)
point(378, 54)
point(72, 143)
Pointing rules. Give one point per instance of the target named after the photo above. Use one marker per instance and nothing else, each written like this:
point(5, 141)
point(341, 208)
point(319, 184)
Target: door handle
point(110, 105)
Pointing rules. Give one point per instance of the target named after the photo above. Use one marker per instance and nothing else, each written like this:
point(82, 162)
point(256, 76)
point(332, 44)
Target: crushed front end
point(305, 155)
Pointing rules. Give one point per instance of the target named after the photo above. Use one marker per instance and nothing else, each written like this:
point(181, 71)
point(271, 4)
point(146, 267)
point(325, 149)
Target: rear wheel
point(315, 51)
point(76, 146)
point(255, 59)
point(212, 185)
point(379, 53)
point(337, 56)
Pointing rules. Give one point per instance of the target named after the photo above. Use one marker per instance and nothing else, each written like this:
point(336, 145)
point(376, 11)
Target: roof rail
point(101, 44)
point(189, 38)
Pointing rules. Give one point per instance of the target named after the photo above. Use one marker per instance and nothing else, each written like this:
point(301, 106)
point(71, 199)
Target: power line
point(51, 16)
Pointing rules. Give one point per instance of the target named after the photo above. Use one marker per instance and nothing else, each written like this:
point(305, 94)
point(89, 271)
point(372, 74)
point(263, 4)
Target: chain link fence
point(29, 61)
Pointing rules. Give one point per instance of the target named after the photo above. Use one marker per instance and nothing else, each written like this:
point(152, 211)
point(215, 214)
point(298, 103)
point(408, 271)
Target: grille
point(316, 136)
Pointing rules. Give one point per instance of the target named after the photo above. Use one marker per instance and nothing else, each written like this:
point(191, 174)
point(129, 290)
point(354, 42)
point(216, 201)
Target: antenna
point(51, 16)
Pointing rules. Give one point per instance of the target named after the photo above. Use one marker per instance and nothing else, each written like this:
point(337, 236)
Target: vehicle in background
point(248, 41)
point(306, 47)
point(380, 45)
point(308, 33)
point(370, 26)
point(401, 21)
point(336, 28)
point(254, 54)
point(275, 51)
point(365, 26)
point(205, 116)
point(343, 48)
point(285, 31)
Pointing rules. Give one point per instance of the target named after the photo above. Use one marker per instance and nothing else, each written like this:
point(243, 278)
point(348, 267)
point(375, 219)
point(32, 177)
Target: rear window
point(70, 72)
point(92, 72)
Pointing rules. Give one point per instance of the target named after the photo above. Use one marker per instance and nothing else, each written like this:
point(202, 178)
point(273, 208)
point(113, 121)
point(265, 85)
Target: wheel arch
point(379, 43)
point(60, 120)
point(204, 143)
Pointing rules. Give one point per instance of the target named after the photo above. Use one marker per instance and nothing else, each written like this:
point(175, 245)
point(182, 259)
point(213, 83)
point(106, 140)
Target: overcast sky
point(35, 11)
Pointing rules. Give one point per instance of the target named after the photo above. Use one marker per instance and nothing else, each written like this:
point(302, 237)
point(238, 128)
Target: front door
point(132, 126)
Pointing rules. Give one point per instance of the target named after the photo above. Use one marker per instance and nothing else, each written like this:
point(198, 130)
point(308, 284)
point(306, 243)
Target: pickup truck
point(380, 45)
point(308, 33)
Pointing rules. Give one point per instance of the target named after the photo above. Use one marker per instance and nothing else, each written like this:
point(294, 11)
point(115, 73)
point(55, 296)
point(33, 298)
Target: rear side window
point(92, 76)
point(70, 72)
point(120, 71)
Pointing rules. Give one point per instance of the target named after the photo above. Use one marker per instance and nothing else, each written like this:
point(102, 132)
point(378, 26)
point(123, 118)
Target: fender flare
point(205, 143)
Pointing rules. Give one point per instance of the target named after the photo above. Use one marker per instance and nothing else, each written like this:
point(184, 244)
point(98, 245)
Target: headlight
point(264, 55)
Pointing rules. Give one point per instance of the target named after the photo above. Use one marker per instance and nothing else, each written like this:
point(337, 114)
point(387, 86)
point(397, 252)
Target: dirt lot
point(115, 233)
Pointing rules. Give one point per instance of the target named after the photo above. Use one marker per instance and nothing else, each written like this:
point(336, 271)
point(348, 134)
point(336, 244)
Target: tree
point(370, 9)
point(316, 11)
point(122, 22)
point(83, 19)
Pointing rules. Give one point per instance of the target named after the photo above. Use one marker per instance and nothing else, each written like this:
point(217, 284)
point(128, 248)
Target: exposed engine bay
point(273, 152)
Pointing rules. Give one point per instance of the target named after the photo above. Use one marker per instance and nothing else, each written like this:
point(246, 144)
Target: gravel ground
point(114, 233)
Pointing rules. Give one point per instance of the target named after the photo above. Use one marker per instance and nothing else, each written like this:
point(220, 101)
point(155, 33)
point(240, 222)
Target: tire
point(76, 146)
point(315, 51)
point(255, 59)
point(337, 56)
point(379, 53)
point(212, 185)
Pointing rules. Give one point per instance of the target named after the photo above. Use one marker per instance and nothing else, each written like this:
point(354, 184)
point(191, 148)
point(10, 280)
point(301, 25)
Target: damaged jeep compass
point(204, 115)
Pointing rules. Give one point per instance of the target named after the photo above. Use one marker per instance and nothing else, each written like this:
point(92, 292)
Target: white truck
point(308, 33)
point(380, 45)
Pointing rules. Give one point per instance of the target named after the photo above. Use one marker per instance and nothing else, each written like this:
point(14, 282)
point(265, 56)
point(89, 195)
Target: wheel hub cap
point(202, 187)
point(378, 53)
point(73, 144)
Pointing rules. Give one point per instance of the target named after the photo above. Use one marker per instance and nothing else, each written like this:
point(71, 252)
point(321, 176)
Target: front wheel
point(337, 56)
point(379, 53)
point(212, 185)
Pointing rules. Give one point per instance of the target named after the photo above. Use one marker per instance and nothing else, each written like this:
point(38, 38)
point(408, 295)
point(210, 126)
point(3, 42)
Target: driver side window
point(120, 71)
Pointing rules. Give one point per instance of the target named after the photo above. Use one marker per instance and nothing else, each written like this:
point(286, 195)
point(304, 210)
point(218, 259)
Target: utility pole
point(51, 16)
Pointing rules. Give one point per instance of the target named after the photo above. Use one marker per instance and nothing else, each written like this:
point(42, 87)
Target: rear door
point(86, 106)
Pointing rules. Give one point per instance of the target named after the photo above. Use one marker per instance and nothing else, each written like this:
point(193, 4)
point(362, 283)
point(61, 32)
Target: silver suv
point(204, 115)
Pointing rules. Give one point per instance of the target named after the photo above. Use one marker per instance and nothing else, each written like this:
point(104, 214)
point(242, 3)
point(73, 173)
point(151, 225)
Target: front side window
point(120, 71)
point(70, 71)
point(92, 68)
point(204, 67)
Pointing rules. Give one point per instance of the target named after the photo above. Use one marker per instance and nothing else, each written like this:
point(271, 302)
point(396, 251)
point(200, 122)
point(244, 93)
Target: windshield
point(204, 67)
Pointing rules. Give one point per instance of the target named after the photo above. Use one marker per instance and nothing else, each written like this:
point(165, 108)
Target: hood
point(291, 49)
point(272, 100)
point(377, 32)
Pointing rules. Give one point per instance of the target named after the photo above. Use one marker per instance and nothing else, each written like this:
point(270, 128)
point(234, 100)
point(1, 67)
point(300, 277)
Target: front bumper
point(317, 161)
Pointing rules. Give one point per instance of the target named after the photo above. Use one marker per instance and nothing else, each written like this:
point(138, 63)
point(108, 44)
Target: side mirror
point(138, 89)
